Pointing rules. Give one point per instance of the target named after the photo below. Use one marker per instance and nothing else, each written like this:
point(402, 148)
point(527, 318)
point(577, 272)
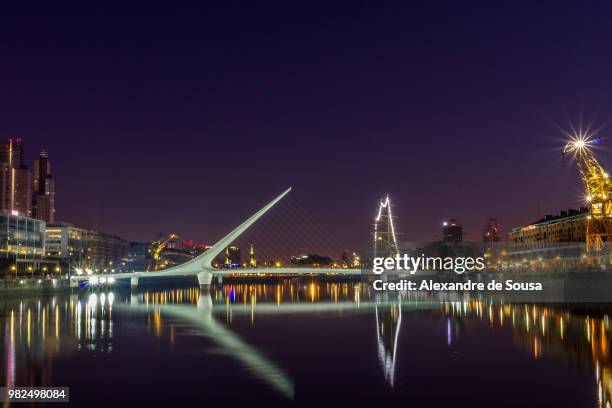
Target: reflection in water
point(388, 324)
point(544, 330)
point(36, 331)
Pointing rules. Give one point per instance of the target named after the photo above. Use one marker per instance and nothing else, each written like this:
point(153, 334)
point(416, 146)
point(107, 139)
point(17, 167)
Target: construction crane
point(598, 190)
point(156, 248)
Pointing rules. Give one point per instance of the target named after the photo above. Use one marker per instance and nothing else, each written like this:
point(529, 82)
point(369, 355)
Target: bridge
point(201, 265)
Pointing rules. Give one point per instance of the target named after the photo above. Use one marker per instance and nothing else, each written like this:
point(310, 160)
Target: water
point(305, 343)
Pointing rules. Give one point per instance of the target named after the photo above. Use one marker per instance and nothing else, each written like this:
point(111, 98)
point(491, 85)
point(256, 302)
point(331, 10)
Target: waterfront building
point(43, 200)
point(452, 231)
point(567, 226)
point(77, 247)
point(554, 241)
point(106, 251)
point(67, 243)
point(22, 244)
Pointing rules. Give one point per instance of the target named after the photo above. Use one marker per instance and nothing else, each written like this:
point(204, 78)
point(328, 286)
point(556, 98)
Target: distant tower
point(492, 231)
point(385, 241)
point(43, 201)
point(252, 260)
point(452, 231)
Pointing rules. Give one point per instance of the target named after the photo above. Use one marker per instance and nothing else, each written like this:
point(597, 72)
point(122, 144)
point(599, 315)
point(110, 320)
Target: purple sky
point(189, 119)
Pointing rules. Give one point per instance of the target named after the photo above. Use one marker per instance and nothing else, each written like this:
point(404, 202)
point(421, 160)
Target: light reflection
point(558, 333)
point(36, 331)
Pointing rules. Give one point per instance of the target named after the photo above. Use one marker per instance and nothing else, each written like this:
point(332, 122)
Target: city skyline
point(157, 129)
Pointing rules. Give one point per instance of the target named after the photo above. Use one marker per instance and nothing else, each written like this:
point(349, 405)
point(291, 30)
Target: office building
point(78, 247)
point(22, 243)
point(67, 243)
point(15, 187)
point(43, 199)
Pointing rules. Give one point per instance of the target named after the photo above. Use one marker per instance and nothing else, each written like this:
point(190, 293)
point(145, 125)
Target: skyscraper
point(452, 231)
point(43, 202)
point(15, 190)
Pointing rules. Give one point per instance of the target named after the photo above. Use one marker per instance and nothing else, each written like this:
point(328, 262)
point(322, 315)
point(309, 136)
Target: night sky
point(189, 119)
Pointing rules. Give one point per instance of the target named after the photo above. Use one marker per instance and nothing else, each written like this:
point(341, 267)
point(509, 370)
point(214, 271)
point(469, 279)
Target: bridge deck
point(222, 272)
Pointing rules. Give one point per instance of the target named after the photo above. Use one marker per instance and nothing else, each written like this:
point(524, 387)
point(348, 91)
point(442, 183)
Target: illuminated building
point(452, 231)
point(492, 231)
point(557, 241)
point(22, 243)
point(80, 247)
point(66, 242)
point(14, 178)
point(106, 250)
point(232, 257)
point(356, 260)
point(252, 260)
point(43, 200)
point(567, 226)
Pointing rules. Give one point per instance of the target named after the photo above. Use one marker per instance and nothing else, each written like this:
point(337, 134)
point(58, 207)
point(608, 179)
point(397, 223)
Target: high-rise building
point(43, 200)
point(14, 178)
point(492, 231)
point(452, 231)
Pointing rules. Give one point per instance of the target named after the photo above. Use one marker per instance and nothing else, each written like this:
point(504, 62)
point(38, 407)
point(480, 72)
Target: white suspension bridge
point(201, 265)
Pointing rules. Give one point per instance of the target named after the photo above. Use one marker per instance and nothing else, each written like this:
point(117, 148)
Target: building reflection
point(546, 331)
point(36, 331)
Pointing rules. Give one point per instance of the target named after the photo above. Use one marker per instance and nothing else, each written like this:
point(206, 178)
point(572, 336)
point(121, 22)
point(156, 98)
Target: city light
point(93, 280)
